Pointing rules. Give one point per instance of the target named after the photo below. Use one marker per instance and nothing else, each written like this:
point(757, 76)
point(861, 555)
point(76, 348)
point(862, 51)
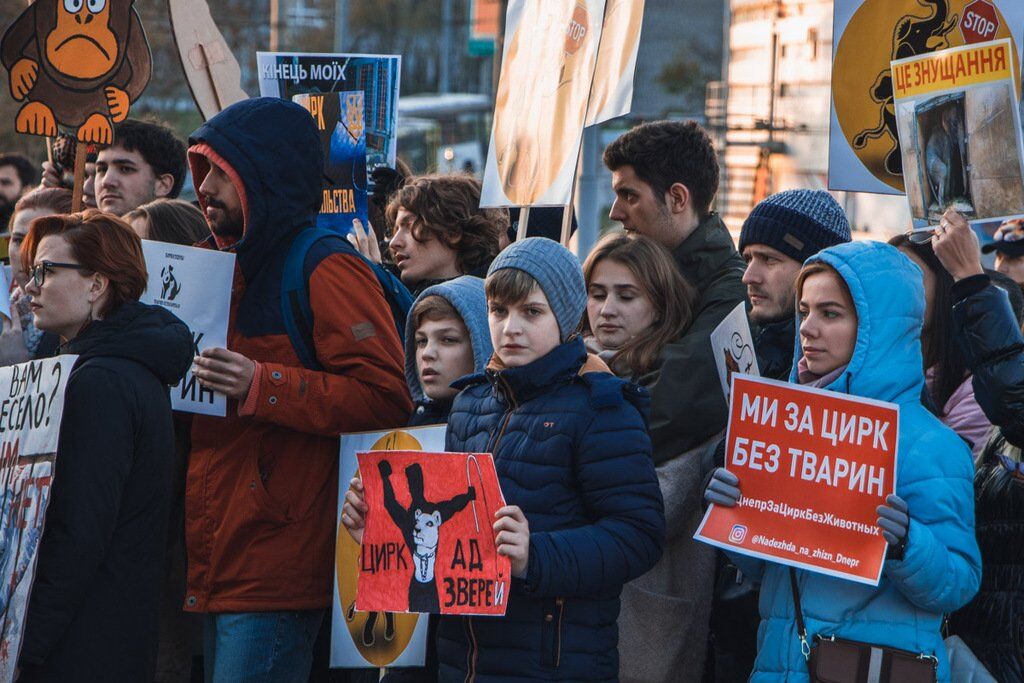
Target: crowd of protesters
point(188, 547)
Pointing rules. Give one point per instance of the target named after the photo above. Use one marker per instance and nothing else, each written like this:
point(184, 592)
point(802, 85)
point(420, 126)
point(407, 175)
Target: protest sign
point(547, 71)
point(960, 133)
point(734, 348)
point(813, 467)
point(373, 639)
point(339, 118)
point(612, 90)
point(211, 70)
point(31, 408)
point(429, 545)
point(286, 74)
point(864, 151)
point(195, 285)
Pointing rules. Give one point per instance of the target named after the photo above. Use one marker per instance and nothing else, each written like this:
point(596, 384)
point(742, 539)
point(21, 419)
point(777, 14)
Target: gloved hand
point(894, 520)
point(724, 488)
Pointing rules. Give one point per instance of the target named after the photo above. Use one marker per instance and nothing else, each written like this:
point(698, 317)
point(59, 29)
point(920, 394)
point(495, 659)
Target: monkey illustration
point(76, 63)
point(421, 526)
point(912, 36)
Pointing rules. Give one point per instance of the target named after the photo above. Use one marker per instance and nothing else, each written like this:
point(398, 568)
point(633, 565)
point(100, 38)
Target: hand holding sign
point(724, 488)
point(956, 246)
point(225, 371)
point(513, 538)
point(894, 520)
point(353, 513)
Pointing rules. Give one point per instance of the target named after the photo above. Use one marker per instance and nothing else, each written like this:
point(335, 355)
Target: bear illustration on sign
point(76, 63)
point(420, 525)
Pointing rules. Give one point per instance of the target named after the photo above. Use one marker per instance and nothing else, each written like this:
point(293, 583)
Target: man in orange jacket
point(261, 498)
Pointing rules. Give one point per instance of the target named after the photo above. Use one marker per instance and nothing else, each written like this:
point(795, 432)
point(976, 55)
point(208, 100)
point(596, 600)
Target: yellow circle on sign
point(386, 643)
point(879, 32)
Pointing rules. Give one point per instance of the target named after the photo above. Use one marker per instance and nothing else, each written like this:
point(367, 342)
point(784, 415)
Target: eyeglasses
point(39, 271)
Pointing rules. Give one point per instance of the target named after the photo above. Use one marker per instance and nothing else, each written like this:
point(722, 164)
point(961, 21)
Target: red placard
point(979, 22)
point(813, 466)
point(429, 544)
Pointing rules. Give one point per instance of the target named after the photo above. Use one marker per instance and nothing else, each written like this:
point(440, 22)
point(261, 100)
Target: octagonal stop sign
point(979, 22)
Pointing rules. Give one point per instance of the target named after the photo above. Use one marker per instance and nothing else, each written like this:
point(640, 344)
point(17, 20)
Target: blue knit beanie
point(799, 223)
point(558, 273)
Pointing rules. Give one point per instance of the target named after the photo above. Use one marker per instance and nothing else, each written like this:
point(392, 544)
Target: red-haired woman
point(92, 614)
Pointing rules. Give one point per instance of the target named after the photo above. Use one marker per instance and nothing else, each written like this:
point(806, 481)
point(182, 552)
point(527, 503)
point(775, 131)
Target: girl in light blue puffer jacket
point(933, 566)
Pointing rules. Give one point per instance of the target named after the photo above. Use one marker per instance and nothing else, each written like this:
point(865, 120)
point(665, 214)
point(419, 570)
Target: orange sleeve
point(362, 386)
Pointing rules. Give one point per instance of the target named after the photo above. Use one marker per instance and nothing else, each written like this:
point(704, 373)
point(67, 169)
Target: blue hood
point(466, 295)
point(272, 149)
point(888, 293)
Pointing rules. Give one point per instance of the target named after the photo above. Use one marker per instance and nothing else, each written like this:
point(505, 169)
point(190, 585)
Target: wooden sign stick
point(76, 194)
point(524, 220)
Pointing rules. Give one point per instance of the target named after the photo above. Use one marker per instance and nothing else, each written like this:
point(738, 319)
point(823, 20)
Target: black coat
point(993, 349)
point(92, 613)
point(992, 624)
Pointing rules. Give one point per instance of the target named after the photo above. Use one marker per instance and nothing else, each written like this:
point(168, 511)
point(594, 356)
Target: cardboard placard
point(864, 150)
point(31, 408)
point(84, 73)
point(286, 74)
point(429, 544)
point(373, 639)
point(195, 285)
point(813, 467)
point(734, 348)
point(339, 119)
point(960, 133)
point(547, 72)
point(211, 70)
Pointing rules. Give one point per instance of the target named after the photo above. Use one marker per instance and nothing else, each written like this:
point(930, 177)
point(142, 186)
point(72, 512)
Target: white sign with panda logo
point(195, 285)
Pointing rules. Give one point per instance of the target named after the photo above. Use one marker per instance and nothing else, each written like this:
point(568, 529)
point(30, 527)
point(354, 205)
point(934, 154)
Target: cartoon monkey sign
point(76, 63)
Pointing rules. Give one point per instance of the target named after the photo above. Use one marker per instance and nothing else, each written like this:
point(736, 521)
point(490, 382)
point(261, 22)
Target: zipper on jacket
point(471, 655)
point(560, 602)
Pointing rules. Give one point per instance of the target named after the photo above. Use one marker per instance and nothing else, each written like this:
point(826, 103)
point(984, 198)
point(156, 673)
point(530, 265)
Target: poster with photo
point(33, 401)
point(960, 133)
point(339, 119)
point(864, 144)
point(286, 74)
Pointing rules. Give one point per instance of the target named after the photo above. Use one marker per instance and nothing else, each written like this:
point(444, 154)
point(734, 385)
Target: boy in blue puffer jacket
point(570, 444)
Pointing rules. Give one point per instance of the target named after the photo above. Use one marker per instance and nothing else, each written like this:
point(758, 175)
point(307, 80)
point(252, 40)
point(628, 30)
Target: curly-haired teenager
point(440, 231)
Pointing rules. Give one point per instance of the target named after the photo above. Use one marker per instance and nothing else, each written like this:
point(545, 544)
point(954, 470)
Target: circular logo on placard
point(380, 637)
point(879, 32)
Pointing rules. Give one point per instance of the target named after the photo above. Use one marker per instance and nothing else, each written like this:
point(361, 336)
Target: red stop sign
point(979, 22)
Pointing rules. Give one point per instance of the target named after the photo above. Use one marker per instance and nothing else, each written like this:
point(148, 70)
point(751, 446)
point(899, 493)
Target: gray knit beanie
point(556, 270)
point(799, 223)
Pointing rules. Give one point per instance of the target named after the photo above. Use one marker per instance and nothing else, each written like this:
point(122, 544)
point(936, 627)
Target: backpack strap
point(295, 305)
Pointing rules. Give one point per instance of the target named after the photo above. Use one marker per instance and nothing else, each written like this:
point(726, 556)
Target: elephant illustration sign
point(79, 64)
point(429, 546)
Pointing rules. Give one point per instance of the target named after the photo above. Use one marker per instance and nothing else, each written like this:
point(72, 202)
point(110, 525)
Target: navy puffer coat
point(571, 448)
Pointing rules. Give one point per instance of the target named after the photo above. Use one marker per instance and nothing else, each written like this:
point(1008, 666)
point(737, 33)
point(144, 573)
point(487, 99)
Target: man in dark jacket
point(665, 176)
point(780, 234)
point(261, 496)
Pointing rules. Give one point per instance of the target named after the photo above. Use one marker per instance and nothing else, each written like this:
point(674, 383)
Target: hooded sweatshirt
point(467, 297)
point(262, 483)
point(941, 567)
point(94, 604)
